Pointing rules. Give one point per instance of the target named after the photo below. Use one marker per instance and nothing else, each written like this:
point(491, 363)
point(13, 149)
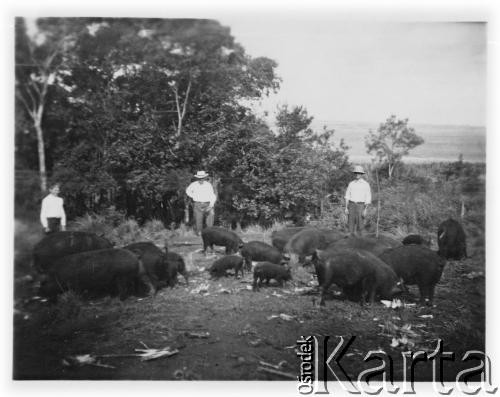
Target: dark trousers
point(200, 210)
point(54, 225)
point(355, 217)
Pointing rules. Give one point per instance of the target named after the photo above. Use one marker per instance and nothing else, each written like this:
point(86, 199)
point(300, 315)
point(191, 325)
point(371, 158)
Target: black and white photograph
point(252, 195)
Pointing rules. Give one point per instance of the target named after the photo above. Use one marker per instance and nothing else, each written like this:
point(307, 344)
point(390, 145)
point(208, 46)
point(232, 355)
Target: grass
point(124, 231)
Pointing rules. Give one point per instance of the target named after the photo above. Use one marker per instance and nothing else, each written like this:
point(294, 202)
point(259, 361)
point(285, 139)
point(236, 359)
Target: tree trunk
point(186, 212)
point(378, 203)
point(41, 155)
point(181, 111)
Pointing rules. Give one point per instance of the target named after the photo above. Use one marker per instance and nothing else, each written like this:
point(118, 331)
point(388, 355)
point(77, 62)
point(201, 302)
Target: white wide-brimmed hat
point(201, 174)
point(358, 169)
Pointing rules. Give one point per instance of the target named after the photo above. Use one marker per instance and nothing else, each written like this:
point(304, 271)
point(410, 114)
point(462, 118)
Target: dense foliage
point(133, 107)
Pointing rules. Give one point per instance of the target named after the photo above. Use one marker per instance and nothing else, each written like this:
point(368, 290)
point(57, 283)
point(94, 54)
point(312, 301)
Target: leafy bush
point(333, 217)
point(120, 230)
point(126, 233)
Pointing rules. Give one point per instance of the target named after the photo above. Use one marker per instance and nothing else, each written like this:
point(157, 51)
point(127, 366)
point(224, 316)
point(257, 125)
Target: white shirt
point(359, 192)
point(203, 192)
point(52, 207)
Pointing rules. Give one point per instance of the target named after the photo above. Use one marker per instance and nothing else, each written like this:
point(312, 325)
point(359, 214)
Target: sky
point(364, 71)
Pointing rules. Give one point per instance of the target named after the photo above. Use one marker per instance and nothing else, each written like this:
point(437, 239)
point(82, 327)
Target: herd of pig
point(364, 268)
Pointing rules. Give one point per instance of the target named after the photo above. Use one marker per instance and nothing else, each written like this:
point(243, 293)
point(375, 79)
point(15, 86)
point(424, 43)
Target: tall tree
point(392, 140)
point(39, 58)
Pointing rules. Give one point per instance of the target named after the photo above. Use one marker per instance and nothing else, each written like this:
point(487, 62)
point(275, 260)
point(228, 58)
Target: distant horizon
point(270, 118)
point(410, 123)
point(321, 122)
point(442, 143)
point(414, 160)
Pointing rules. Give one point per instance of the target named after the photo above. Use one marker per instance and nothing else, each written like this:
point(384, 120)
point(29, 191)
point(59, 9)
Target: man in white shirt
point(357, 198)
point(203, 195)
point(52, 215)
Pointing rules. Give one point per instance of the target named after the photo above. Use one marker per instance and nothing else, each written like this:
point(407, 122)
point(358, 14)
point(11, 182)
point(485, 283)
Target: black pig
point(219, 236)
point(267, 271)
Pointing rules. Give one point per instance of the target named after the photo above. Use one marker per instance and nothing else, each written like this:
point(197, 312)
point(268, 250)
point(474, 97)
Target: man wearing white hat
point(357, 198)
point(203, 195)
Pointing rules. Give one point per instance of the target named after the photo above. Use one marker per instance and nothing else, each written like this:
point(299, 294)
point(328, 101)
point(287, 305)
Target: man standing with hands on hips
point(357, 198)
point(203, 195)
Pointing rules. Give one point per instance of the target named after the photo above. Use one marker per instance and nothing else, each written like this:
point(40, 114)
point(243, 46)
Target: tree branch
point(33, 97)
point(186, 98)
point(178, 106)
point(33, 84)
point(25, 103)
point(181, 113)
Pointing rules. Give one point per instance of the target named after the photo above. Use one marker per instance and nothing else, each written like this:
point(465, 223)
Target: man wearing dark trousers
point(203, 195)
point(357, 198)
point(52, 215)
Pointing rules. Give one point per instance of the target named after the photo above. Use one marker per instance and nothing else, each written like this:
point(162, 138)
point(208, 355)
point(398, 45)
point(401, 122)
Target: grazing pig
point(220, 266)
point(102, 272)
point(160, 267)
point(175, 265)
point(416, 239)
point(219, 236)
point(387, 282)
point(59, 244)
point(416, 264)
point(374, 245)
point(359, 273)
point(153, 260)
point(259, 251)
point(267, 271)
point(307, 241)
point(451, 240)
point(279, 238)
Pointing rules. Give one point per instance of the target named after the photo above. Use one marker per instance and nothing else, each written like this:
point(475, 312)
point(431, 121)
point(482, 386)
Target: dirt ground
point(222, 330)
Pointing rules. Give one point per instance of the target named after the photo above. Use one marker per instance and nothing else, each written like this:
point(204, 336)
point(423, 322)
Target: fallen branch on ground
point(275, 372)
